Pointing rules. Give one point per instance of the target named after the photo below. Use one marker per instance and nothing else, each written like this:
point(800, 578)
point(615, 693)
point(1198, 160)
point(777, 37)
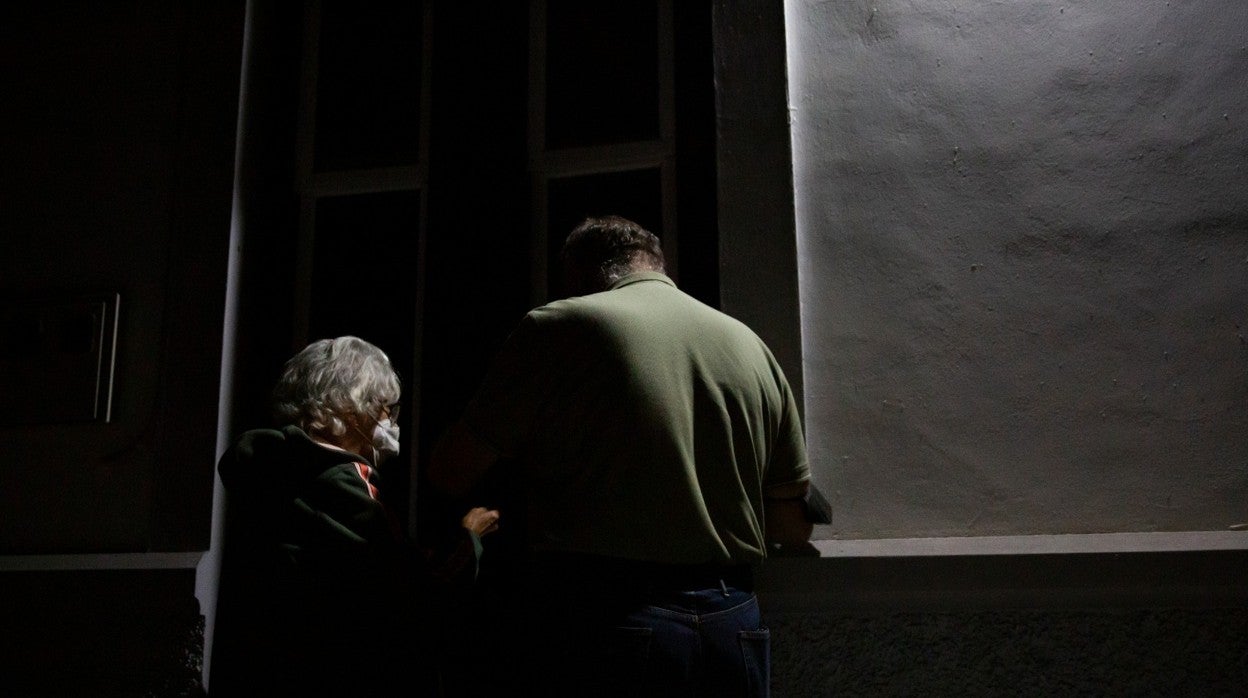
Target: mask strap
point(369, 440)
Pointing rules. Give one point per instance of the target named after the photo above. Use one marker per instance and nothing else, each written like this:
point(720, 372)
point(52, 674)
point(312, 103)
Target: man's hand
point(481, 521)
point(784, 516)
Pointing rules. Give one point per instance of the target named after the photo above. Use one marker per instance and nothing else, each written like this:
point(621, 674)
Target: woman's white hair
point(332, 380)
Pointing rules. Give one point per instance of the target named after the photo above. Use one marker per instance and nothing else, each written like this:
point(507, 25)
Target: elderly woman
point(321, 593)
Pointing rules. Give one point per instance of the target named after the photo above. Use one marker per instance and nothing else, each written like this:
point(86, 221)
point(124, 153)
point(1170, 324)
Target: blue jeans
point(590, 641)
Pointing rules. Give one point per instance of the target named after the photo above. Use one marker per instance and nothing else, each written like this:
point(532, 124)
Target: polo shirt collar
point(638, 276)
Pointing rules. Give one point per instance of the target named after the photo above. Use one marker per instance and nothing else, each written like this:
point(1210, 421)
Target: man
point(663, 454)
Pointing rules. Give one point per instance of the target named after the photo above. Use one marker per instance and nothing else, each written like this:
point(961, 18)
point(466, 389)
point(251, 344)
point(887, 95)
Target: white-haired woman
point(321, 591)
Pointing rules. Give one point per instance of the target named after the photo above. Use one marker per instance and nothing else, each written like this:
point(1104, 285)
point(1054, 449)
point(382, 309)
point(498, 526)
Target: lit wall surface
point(1023, 242)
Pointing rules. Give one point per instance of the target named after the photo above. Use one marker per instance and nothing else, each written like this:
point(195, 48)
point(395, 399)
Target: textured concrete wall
point(1023, 231)
point(1168, 652)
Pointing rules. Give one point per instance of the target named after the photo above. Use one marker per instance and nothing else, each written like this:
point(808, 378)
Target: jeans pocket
point(756, 656)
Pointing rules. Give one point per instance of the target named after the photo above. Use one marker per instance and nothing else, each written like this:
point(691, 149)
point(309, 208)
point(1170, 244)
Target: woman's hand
point(481, 521)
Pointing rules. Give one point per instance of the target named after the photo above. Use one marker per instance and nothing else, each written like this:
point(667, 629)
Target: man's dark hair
point(608, 248)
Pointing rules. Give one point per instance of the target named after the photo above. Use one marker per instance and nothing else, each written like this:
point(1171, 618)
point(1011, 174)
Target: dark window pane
point(368, 87)
point(364, 270)
point(602, 72)
point(636, 195)
point(696, 211)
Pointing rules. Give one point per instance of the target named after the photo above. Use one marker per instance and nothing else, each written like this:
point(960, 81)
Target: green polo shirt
point(649, 424)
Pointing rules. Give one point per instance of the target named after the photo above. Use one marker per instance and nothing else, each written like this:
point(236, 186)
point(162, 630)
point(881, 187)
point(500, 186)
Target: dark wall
point(100, 633)
point(117, 142)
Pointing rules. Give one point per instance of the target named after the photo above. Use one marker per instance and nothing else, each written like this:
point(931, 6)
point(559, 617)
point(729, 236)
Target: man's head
point(602, 250)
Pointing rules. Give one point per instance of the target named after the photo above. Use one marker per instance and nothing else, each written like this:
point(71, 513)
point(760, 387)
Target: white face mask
point(385, 440)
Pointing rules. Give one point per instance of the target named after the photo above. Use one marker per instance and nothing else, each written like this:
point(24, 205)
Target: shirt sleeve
point(515, 389)
point(788, 462)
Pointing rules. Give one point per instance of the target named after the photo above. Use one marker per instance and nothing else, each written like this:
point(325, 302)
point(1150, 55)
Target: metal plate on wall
point(57, 358)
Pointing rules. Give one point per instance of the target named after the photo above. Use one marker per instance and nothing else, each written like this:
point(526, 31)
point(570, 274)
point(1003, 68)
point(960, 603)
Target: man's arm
point(784, 514)
point(459, 461)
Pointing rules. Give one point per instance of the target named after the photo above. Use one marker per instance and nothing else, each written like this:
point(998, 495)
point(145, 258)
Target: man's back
point(649, 424)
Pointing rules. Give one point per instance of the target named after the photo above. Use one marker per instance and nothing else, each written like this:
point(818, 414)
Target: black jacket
point(321, 592)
